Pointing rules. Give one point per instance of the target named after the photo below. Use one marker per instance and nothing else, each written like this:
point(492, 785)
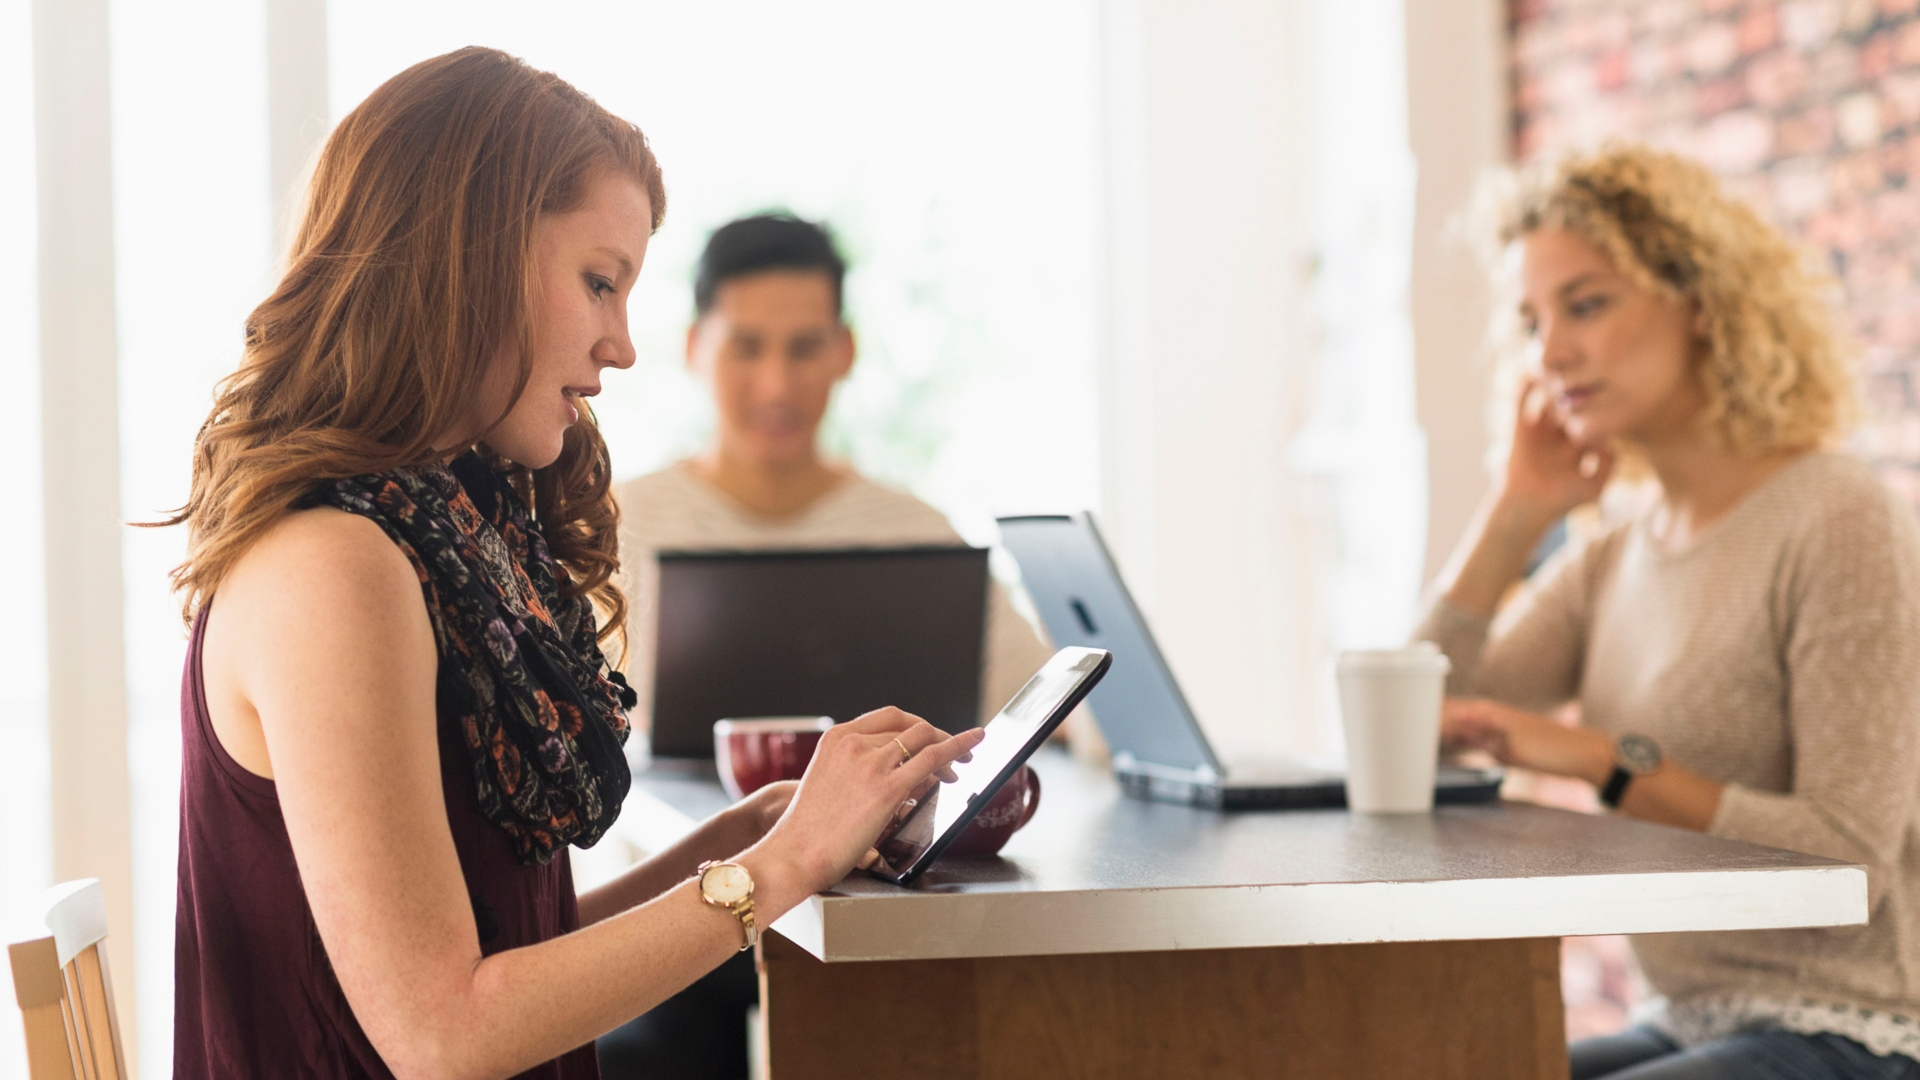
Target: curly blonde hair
point(1775, 370)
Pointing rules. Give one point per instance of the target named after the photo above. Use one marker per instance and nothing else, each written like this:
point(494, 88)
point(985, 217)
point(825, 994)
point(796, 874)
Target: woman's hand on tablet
point(861, 773)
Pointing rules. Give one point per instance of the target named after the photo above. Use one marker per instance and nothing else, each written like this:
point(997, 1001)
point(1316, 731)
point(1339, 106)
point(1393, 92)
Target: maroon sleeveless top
point(254, 994)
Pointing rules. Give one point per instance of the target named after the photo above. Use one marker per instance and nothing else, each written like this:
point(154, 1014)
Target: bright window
point(193, 250)
point(25, 818)
point(953, 150)
point(1362, 454)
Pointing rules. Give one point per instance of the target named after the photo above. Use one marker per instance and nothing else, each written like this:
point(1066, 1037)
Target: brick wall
point(1810, 108)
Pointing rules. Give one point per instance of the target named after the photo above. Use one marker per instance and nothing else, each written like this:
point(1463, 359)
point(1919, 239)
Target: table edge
point(980, 924)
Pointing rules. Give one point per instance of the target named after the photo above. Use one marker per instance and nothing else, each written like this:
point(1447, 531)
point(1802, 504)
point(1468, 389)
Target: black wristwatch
point(1633, 755)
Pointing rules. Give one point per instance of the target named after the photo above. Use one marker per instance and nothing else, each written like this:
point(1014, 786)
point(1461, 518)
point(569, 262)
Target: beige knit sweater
point(1780, 655)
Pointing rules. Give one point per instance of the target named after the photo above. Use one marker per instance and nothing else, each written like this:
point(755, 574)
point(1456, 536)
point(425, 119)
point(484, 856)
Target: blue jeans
point(1644, 1054)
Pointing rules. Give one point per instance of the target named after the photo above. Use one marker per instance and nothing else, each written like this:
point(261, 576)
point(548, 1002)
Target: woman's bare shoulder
point(320, 547)
point(323, 600)
point(323, 571)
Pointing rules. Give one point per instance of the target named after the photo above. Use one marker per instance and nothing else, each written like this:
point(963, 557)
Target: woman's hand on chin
point(1527, 740)
point(1548, 473)
point(852, 791)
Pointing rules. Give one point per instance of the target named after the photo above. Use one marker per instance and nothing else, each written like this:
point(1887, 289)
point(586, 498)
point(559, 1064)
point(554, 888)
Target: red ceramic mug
point(752, 753)
point(1005, 814)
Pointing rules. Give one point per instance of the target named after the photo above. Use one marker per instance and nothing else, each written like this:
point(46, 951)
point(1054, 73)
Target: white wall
point(1457, 118)
point(1273, 486)
point(79, 402)
point(297, 114)
point(192, 251)
point(26, 835)
point(1362, 456)
point(1201, 386)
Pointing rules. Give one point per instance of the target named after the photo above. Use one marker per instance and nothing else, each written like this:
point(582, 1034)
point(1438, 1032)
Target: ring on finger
point(905, 754)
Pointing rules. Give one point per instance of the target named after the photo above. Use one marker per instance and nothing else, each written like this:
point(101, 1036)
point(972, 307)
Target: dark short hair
point(772, 241)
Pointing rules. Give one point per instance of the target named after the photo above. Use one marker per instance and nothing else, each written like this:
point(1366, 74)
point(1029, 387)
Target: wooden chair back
point(66, 999)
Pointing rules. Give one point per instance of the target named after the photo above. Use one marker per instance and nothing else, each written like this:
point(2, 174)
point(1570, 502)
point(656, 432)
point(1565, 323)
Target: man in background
point(770, 342)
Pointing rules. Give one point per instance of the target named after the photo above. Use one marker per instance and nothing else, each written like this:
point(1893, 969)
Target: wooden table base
point(1484, 1010)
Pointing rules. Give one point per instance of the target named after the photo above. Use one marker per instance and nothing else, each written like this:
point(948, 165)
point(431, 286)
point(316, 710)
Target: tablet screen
point(1012, 736)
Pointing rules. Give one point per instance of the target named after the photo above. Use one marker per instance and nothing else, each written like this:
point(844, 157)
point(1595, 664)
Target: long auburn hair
point(410, 270)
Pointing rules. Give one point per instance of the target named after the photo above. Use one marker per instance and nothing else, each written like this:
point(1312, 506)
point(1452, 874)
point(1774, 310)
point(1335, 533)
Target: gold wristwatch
point(728, 885)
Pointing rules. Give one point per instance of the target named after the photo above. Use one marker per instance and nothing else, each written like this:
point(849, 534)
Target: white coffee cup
point(1390, 706)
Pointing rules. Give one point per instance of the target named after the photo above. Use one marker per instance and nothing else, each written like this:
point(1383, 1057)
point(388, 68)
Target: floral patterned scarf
point(542, 713)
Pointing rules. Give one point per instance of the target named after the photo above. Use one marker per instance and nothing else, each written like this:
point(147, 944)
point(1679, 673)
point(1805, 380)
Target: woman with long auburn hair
point(396, 716)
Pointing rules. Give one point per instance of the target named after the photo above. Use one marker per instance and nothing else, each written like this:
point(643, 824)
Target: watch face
point(1638, 754)
point(726, 883)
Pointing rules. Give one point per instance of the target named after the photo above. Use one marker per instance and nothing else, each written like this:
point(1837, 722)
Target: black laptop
point(1159, 751)
point(816, 633)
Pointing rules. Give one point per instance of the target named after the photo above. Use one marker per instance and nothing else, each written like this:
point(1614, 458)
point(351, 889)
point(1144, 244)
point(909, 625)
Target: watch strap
point(750, 925)
point(1616, 787)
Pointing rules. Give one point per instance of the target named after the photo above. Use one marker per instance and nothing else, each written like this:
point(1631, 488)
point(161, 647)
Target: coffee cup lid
point(1422, 656)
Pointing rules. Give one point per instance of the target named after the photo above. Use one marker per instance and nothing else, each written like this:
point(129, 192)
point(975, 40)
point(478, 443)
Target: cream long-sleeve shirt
point(1779, 654)
point(675, 510)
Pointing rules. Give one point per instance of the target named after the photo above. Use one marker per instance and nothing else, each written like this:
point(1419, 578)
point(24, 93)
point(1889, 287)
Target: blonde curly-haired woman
point(1744, 649)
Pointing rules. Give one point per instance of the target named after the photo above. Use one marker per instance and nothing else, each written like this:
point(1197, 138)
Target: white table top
point(1099, 872)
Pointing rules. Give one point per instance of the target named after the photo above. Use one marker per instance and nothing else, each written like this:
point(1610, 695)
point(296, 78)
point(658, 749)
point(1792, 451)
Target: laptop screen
point(1078, 592)
point(816, 633)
